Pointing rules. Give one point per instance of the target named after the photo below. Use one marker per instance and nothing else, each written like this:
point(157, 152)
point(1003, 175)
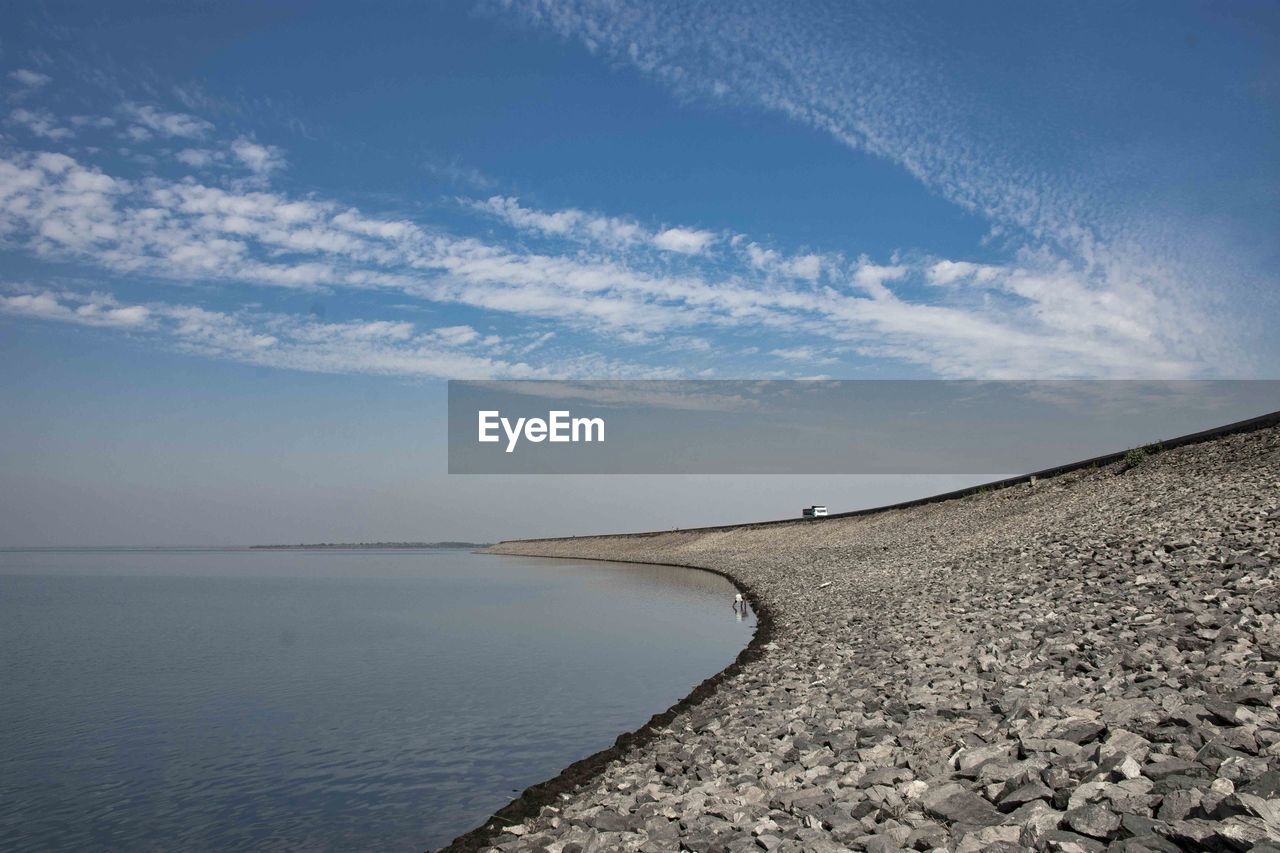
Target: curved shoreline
point(919, 650)
point(535, 797)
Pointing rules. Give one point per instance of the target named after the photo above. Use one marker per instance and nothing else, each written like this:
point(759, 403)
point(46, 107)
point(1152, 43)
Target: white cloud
point(92, 121)
point(456, 335)
point(1033, 317)
point(855, 84)
point(607, 231)
point(952, 272)
point(808, 266)
point(570, 223)
point(197, 158)
point(40, 123)
point(613, 232)
point(855, 80)
point(259, 159)
point(148, 119)
point(761, 259)
point(687, 241)
point(559, 223)
point(94, 310)
point(30, 79)
point(807, 355)
point(304, 343)
point(871, 277)
point(805, 266)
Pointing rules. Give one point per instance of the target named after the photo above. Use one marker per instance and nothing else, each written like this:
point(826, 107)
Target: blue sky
point(326, 204)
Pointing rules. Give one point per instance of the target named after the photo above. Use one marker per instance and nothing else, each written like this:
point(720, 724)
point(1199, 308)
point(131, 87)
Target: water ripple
point(318, 701)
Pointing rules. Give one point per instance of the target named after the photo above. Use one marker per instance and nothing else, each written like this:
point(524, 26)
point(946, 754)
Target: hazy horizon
point(245, 246)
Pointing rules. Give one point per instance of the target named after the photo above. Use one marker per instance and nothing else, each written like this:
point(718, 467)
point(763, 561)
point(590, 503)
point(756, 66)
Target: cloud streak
point(860, 74)
point(262, 160)
point(29, 79)
point(41, 124)
point(604, 281)
point(94, 310)
point(610, 231)
point(147, 120)
point(296, 343)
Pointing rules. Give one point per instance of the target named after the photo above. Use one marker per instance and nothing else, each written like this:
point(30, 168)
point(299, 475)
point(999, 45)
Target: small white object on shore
point(824, 585)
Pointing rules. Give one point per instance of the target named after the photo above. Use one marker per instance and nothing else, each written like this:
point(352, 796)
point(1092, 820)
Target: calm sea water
point(369, 700)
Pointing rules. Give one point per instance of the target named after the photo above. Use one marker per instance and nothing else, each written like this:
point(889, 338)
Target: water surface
point(344, 700)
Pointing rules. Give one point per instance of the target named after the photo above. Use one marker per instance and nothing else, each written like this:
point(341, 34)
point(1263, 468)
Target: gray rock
point(971, 759)
point(1108, 639)
point(1080, 731)
point(607, 821)
point(1266, 786)
point(1195, 833)
point(989, 838)
point(1121, 740)
point(1178, 805)
point(1029, 792)
point(1172, 766)
point(1035, 821)
point(927, 836)
point(1137, 825)
point(881, 844)
point(885, 776)
point(966, 808)
point(1126, 767)
point(1241, 768)
point(937, 793)
point(1226, 713)
point(1243, 833)
point(1061, 841)
point(1096, 820)
point(1144, 844)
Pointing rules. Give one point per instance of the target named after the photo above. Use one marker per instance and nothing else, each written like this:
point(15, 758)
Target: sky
point(243, 245)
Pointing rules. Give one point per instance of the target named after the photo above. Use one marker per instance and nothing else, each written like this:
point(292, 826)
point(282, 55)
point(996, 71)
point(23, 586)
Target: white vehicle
point(814, 511)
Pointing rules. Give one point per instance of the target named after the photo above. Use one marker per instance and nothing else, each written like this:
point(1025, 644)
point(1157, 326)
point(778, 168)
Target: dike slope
point(1086, 663)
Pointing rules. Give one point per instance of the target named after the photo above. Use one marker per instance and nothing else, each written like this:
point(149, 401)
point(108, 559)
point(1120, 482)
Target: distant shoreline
point(367, 546)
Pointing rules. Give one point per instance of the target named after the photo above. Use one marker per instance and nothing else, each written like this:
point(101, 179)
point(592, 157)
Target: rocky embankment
point(1089, 663)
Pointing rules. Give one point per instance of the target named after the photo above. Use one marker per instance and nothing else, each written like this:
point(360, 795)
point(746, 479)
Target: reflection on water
point(329, 700)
